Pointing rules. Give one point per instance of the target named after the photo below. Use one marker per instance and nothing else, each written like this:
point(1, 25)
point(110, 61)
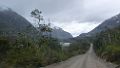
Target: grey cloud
point(58, 9)
point(67, 10)
point(67, 13)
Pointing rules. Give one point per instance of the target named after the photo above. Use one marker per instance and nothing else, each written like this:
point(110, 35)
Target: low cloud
point(76, 28)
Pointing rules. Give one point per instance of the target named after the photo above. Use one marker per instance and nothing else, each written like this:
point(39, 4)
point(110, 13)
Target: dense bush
point(107, 45)
point(79, 47)
point(25, 52)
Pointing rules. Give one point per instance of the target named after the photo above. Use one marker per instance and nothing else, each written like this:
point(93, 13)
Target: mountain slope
point(12, 23)
point(107, 24)
point(61, 34)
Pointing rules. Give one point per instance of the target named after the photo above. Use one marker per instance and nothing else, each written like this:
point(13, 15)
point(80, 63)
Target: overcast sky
point(74, 16)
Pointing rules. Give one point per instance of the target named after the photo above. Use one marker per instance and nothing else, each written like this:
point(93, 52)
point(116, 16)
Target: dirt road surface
point(88, 60)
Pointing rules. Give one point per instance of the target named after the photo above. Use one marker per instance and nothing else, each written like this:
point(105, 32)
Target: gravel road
point(88, 60)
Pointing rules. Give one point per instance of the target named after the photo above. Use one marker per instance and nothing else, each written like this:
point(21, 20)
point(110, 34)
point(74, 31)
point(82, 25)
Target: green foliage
point(4, 47)
point(107, 45)
point(29, 51)
point(24, 52)
point(79, 47)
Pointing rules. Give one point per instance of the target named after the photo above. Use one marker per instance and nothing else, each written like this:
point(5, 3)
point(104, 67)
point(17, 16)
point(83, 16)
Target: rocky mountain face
point(60, 34)
point(107, 24)
point(12, 23)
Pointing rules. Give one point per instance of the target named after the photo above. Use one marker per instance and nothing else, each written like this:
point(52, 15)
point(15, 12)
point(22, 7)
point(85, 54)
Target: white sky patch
point(2, 7)
point(76, 28)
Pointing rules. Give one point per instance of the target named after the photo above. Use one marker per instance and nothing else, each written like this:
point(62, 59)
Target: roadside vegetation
point(26, 52)
point(79, 46)
point(107, 45)
point(37, 50)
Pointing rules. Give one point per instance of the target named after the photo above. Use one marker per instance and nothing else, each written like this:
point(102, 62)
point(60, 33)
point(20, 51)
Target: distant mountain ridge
point(61, 34)
point(111, 23)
